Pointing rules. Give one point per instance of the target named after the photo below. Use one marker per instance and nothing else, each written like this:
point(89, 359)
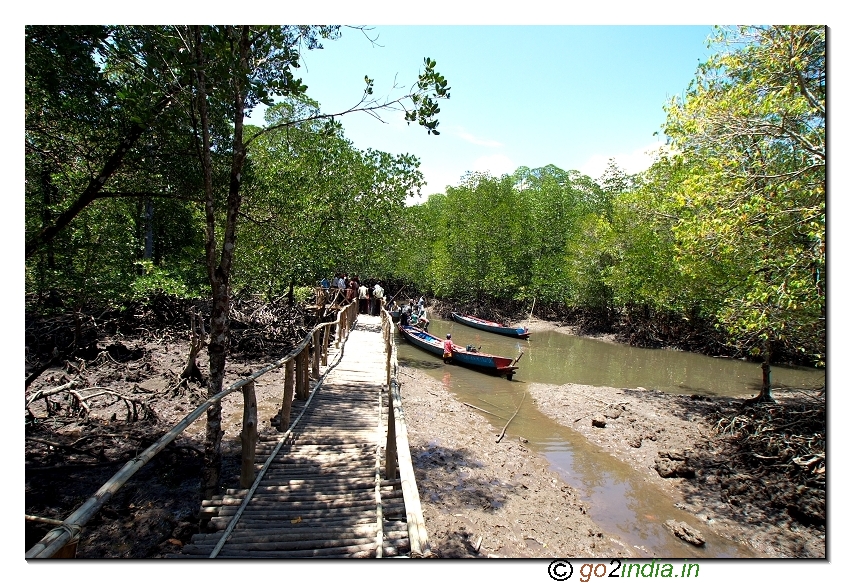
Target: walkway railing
point(398, 462)
point(301, 366)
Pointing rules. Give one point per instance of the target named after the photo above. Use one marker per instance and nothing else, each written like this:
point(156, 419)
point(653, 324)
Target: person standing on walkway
point(341, 283)
point(363, 295)
point(377, 296)
point(351, 290)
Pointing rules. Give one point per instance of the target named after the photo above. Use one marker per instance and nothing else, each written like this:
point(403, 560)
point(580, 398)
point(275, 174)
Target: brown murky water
point(620, 501)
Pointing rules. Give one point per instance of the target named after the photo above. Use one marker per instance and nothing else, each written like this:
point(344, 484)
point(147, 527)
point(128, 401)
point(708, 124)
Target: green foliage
point(644, 270)
point(506, 238)
point(728, 225)
point(183, 280)
point(432, 86)
point(752, 209)
point(302, 293)
point(346, 201)
point(115, 190)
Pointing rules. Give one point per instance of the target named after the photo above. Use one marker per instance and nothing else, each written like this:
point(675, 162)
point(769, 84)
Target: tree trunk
point(765, 394)
point(219, 266)
point(49, 192)
point(196, 342)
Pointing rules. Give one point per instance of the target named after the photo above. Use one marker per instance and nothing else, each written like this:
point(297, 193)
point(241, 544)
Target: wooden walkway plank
point(323, 494)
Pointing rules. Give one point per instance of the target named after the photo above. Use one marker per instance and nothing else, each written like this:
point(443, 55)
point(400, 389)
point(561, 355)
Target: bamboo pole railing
point(62, 540)
point(398, 459)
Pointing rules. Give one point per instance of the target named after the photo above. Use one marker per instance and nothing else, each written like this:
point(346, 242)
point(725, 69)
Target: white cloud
point(437, 179)
point(632, 163)
point(465, 135)
point(496, 165)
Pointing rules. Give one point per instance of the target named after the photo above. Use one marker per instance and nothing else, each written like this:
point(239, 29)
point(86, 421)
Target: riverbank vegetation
point(719, 246)
point(146, 177)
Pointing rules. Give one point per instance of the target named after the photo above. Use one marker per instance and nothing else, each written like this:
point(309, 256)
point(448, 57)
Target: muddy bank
point(720, 477)
point(484, 499)
point(123, 390)
point(481, 499)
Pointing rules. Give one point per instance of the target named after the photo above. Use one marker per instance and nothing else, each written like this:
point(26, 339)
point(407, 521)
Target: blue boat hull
point(478, 360)
point(490, 326)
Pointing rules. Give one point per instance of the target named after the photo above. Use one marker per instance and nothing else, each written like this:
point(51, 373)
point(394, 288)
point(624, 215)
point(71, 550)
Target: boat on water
point(489, 326)
point(500, 365)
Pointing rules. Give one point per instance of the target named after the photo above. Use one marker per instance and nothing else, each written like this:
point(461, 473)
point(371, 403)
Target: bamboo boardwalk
point(321, 490)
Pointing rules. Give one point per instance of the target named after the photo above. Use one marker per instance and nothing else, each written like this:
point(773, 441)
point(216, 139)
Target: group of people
point(368, 294)
point(415, 314)
point(369, 297)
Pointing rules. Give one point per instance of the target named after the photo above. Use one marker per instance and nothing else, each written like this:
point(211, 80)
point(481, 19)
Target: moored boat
point(488, 326)
point(500, 365)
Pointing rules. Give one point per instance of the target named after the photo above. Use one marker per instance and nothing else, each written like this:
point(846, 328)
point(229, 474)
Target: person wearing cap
point(448, 348)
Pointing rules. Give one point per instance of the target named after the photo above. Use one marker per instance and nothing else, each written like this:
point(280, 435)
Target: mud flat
point(677, 442)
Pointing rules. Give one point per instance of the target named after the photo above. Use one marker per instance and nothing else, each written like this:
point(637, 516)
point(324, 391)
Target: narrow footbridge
point(335, 481)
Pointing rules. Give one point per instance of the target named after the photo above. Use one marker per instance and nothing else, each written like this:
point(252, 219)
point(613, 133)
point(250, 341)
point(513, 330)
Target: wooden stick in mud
point(484, 410)
point(501, 435)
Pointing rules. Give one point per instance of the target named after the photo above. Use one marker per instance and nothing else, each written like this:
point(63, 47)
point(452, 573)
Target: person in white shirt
point(422, 317)
point(377, 296)
point(363, 296)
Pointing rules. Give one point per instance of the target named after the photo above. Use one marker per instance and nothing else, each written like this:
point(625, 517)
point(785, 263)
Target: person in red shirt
point(448, 348)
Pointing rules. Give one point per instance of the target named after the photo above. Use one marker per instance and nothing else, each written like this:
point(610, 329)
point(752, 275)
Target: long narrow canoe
point(489, 326)
point(500, 365)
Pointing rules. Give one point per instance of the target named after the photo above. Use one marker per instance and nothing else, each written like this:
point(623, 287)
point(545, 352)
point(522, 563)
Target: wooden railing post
point(305, 373)
point(390, 466)
point(249, 436)
point(286, 406)
point(388, 346)
point(340, 327)
point(69, 551)
point(317, 352)
point(326, 334)
point(299, 376)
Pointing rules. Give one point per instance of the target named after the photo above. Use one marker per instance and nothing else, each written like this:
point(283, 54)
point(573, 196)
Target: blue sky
point(572, 96)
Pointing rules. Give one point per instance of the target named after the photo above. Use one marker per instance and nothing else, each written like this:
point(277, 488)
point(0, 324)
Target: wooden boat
point(488, 326)
point(500, 365)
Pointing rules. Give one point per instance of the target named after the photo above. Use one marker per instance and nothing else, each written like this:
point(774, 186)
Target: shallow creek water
point(620, 501)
